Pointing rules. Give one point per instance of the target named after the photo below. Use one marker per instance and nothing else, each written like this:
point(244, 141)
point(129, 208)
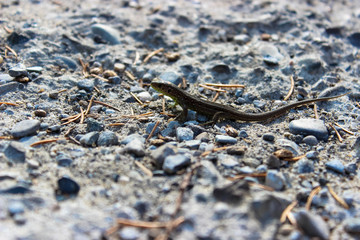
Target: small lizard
point(218, 111)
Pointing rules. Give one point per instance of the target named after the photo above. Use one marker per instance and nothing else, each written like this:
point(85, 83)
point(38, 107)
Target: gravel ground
point(116, 168)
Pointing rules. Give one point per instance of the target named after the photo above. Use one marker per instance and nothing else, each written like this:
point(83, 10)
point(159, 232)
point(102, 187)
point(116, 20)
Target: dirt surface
point(70, 73)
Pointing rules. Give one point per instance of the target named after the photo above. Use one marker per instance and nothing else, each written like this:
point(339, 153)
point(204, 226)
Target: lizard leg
point(182, 116)
point(217, 116)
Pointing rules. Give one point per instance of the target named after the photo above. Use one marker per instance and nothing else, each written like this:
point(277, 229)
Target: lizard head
point(167, 89)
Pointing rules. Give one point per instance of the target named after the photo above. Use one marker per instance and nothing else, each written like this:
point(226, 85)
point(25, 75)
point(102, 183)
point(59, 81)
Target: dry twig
point(291, 90)
point(44, 142)
point(150, 55)
point(337, 133)
point(311, 196)
point(337, 198)
point(144, 169)
point(287, 210)
point(136, 98)
point(152, 131)
point(107, 105)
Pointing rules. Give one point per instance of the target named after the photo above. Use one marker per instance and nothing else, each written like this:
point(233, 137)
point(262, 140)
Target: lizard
point(219, 111)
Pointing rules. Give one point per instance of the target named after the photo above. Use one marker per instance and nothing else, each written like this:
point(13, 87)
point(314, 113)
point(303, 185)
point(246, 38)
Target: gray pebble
point(312, 225)
point(304, 166)
point(89, 139)
point(275, 179)
point(8, 87)
point(184, 134)
point(129, 233)
point(273, 162)
point(209, 172)
point(107, 33)
point(241, 39)
point(312, 155)
point(269, 137)
point(174, 163)
point(170, 129)
point(144, 96)
point(86, 84)
point(352, 225)
point(55, 128)
point(192, 144)
point(16, 207)
point(37, 69)
point(93, 125)
point(289, 145)
point(228, 162)
point(149, 128)
point(63, 160)
point(306, 127)
point(271, 54)
point(18, 71)
point(25, 128)
point(107, 138)
point(69, 62)
point(131, 137)
point(135, 147)
point(170, 77)
point(243, 133)
point(15, 152)
point(225, 139)
point(162, 152)
point(310, 140)
point(351, 168)
point(336, 166)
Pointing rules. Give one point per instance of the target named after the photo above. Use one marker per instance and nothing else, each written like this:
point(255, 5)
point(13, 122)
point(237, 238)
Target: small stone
point(354, 39)
point(69, 62)
point(271, 54)
point(307, 127)
point(312, 155)
point(312, 225)
point(68, 186)
point(162, 152)
point(33, 164)
point(241, 39)
point(150, 127)
point(131, 137)
point(25, 128)
point(18, 71)
point(55, 128)
point(243, 133)
point(289, 145)
point(304, 166)
point(351, 168)
point(275, 179)
point(135, 147)
point(119, 67)
point(170, 129)
point(115, 80)
point(236, 150)
point(109, 73)
point(37, 69)
point(268, 207)
point(229, 162)
point(310, 140)
point(63, 160)
point(273, 162)
point(174, 163)
point(9, 87)
point(107, 138)
point(352, 225)
point(144, 96)
point(129, 233)
point(15, 152)
point(170, 77)
point(225, 139)
point(192, 144)
point(16, 207)
point(86, 84)
point(89, 139)
point(184, 134)
point(232, 193)
point(17, 189)
point(336, 166)
point(40, 113)
point(107, 33)
point(209, 172)
point(94, 126)
point(269, 137)
point(54, 95)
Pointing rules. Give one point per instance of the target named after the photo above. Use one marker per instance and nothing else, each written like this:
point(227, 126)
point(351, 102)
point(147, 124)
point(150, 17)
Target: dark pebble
point(354, 39)
point(269, 137)
point(107, 33)
point(86, 84)
point(63, 160)
point(18, 71)
point(94, 126)
point(304, 166)
point(8, 87)
point(232, 193)
point(40, 113)
point(162, 152)
point(16, 190)
point(55, 128)
point(107, 138)
point(90, 139)
point(174, 163)
point(268, 207)
point(273, 162)
point(310, 140)
point(68, 186)
point(352, 225)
